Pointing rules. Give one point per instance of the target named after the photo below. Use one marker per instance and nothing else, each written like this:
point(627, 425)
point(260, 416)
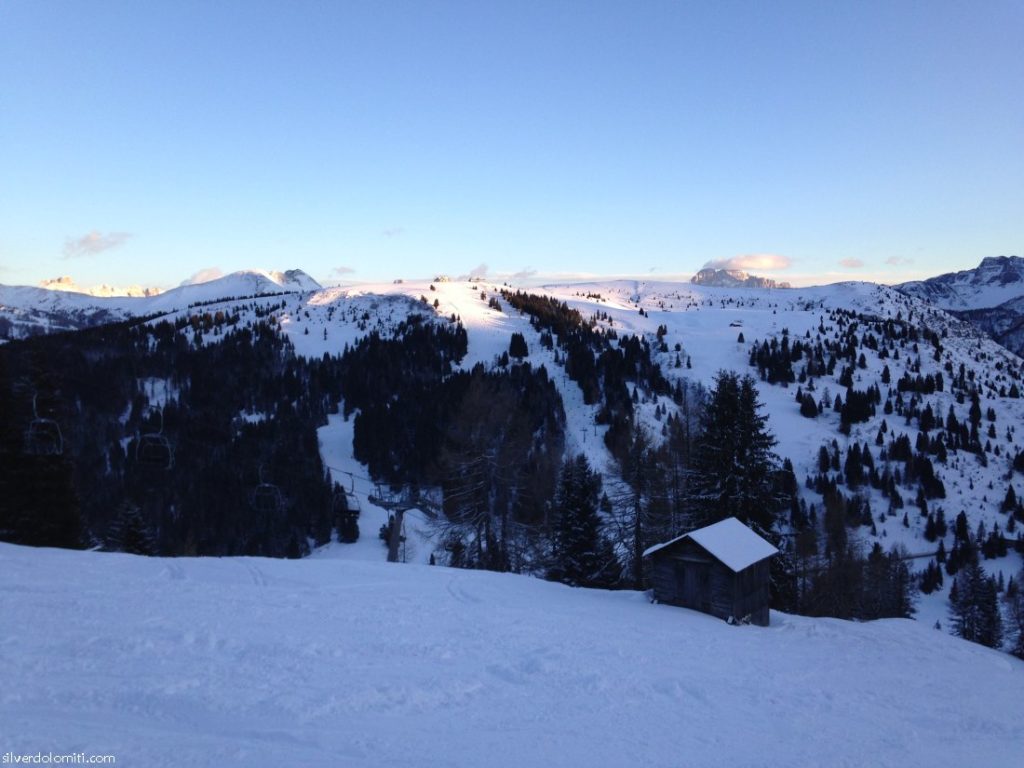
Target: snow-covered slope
point(29, 310)
point(251, 282)
point(223, 662)
point(705, 322)
point(990, 297)
point(995, 280)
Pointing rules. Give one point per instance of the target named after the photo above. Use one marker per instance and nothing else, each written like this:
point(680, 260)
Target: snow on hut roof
point(729, 540)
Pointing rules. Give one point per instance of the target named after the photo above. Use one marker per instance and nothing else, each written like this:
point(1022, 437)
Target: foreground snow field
point(210, 662)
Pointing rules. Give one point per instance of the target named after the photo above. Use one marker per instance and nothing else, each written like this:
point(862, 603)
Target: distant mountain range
point(990, 297)
point(66, 283)
point(734, 278)
point(996, 280)
point(60, 305)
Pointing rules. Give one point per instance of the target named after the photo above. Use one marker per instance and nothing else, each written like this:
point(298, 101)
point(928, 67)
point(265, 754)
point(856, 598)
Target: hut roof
point(729, 540)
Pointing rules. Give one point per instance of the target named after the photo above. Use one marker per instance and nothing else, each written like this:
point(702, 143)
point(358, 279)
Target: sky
point(144, 143)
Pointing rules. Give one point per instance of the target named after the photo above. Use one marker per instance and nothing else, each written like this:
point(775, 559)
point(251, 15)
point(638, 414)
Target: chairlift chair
point(345, 500)
point(153, 450)
point(341, 502)
point(353, 503)
point(266, 498)
point(43, 436)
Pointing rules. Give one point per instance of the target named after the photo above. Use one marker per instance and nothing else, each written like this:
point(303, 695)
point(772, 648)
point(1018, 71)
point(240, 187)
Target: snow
point(256, 662)
point(336, 452)
point(995, 281)
point(344, 659)
point(730, 541)
point(26, 304)
point(66, 283)
point(700, 319)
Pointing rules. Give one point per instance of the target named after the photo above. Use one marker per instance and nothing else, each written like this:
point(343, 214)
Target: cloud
point(763, 262)
point(478, 272)
point(393, 231)
point(93, 243)
point(851, 263)
point(898, 261)
point(523, 274)
point(204, 276)
point(341, 271)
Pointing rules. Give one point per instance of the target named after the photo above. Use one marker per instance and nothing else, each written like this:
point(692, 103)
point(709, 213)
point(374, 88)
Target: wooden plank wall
point(739, 595)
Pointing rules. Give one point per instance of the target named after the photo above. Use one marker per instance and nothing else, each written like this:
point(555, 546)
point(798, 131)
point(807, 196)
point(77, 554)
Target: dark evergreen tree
point(1009, 501)
point(129, 532)
point(974, 607)
point(735, 468)
point(808, 407)
point(1014, 598)
point(581, 555)
point(517, 347)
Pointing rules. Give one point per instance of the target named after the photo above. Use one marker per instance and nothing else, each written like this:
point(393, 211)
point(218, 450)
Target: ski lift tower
point(397, 504)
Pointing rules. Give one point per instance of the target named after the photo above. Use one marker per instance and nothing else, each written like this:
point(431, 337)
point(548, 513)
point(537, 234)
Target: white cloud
point(851, 263)
point(93, 243)
point(477, 272)
point(898, 261)
point(204, 276)
point(523, 274)
point(762, 262)
point(393, 231)
point(341, 271)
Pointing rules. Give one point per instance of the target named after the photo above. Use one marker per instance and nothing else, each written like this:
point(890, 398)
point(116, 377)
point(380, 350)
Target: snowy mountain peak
point(1001, 262)
point(995, 280)
point(67, 283)
point(258, 281)
point(61, 304)
point(734, 278)
point(295, 279)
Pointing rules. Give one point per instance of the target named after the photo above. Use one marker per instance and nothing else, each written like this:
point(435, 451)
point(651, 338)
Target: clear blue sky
point(144, 141)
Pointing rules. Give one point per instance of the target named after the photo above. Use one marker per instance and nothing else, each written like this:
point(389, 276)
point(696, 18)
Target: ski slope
point(705, 321)
point(324, 662)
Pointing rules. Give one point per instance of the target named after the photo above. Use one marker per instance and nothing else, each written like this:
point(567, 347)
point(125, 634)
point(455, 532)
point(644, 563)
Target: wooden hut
point(721, 569)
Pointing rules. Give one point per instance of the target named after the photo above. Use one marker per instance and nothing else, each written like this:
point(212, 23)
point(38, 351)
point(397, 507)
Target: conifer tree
point(734, 466)
point(129, 532)
point(974, 607)
point(582, 556)
point(517, 347)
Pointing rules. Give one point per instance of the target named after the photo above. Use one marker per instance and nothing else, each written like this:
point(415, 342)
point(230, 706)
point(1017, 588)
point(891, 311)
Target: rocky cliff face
point(734, 278)
point(994, 281)
point(990, 297)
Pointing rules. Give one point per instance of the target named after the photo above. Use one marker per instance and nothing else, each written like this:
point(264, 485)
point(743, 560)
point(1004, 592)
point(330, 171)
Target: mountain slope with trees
point(852, 425)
